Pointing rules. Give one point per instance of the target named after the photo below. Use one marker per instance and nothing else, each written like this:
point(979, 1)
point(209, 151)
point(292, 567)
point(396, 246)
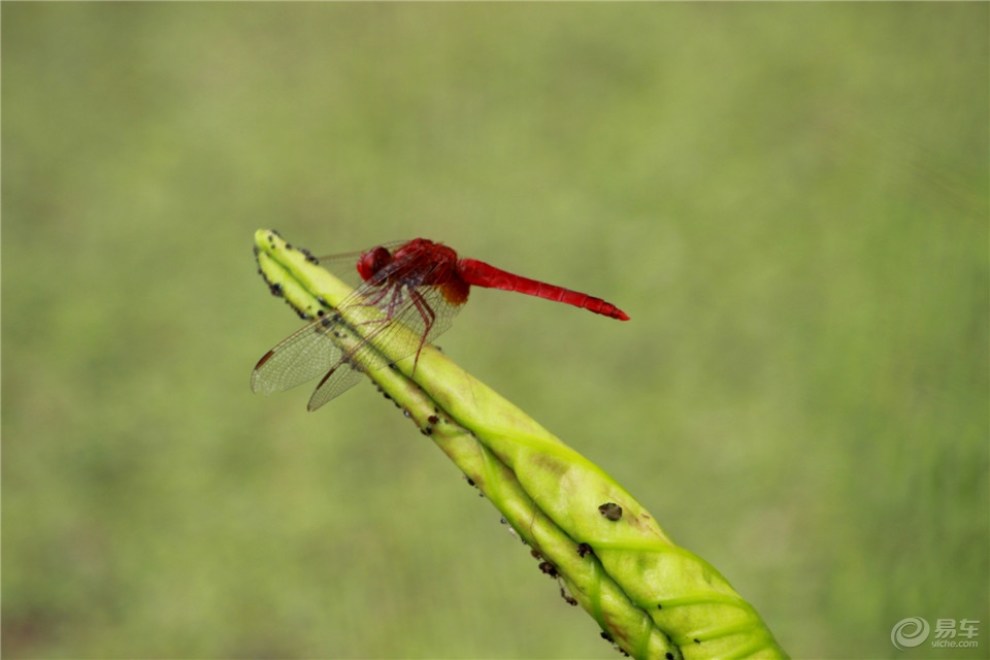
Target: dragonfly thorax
point(416, 263)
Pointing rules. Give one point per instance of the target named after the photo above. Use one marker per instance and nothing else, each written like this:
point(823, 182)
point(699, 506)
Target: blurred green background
point(789, 200)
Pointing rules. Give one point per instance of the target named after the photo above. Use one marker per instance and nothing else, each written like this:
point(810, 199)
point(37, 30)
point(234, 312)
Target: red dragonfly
point(418, 284)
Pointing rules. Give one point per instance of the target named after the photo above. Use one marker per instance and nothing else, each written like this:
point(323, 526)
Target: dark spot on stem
point(668, 655)
point(433, 419)
point(611, 511)
point(584, 549)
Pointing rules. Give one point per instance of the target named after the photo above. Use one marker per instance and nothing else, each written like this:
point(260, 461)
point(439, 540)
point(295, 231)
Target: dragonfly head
point(373, 261)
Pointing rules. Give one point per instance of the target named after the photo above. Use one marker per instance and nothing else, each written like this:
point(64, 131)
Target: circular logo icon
point(910, 632)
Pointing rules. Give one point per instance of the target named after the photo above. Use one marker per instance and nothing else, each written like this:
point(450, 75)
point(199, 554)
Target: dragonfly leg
point(428, 316)
point(394, 302)
point(373, 301)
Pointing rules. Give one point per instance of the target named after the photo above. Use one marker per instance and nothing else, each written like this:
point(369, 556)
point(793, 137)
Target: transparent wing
point(413, 317)
point(311, 352)
point(338, 380)
point(302, 356)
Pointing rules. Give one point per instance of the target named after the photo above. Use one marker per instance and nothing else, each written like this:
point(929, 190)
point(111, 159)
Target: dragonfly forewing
point(302, 356)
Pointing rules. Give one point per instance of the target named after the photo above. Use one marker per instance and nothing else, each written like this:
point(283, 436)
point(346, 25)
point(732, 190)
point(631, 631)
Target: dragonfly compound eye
point(373, 261)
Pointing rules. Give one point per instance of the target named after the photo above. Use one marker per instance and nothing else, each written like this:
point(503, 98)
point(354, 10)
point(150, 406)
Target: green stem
point(652, 598)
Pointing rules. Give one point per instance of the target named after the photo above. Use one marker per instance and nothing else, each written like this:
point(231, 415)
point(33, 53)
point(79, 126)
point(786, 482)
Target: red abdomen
point(479, 273)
